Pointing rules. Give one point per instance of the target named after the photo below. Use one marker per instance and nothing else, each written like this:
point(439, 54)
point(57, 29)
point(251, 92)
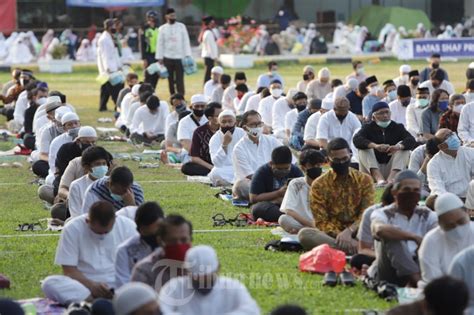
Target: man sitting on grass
point(119, 189)
point(295, 203)
point(148, 123)
point(86, 253)
point(269, 184)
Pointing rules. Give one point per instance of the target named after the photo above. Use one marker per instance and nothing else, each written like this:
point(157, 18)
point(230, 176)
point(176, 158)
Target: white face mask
point(460, 232)
point(276, 93)
point(255, 132)
point(405, 78)
point(374, 89)
point(458, 108)
point(41, 100)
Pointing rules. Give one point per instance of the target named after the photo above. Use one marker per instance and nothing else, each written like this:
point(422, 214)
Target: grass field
point(272, 278)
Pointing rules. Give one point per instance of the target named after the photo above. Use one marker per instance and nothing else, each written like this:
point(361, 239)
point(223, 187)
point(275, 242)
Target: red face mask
point(176, 252)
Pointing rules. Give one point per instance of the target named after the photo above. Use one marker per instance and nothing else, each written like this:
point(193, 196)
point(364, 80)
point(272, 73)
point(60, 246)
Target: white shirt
point(297, 198)
point(461, 268)
point(413, 119)
point(448, 174)
point(466, 123)
point(265, 109)
point(209, 88)
point(173, 41)
point(279, 110)
point(422, 221)
point(219, 157)
point(108, 59)
point(93, 254)
point(21, 105)
point(128, 254)
point(131, 112)
point(253, 102)
point(469, 96)
point(146, 121)
point(243, 102)
point(228, 296)
point(209, 45)
point(437, 252)
point(56, 144)
point(329, 127)
point(311, 127)
point(77, 191)
point(290, 119)
point(398, 112)
point(445, 85)
point(470, 196)
point(171, 119)
point(127, 101)
point(186, 127)
point(228, 98)
point(417, 157)
point(248, 156)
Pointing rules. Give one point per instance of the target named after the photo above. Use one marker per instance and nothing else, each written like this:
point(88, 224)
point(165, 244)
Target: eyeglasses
point(239, 221)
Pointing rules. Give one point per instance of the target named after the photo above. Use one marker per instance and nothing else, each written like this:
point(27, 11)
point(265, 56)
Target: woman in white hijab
point(19, 51)
point(85, 51)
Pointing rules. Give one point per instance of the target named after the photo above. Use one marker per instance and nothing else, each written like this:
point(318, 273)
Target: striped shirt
point(99, 191)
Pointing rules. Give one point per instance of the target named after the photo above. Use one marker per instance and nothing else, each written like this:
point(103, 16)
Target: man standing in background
point(208, 39)
point(148, 43)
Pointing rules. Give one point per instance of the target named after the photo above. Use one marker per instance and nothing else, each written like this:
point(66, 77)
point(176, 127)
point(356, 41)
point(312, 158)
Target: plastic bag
point(116, 77)
point(189, 65)
point(158, 68)
point(323, 259)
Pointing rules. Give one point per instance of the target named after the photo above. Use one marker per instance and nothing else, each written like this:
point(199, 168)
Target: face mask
point(150, 240)
point(84, 146)
point(305, 77)
point(59, 128)
point(422, 102)
point(280, 173)
point(276, 93)
point(443, 105)
point(180, 108)
point(341, 169)
point(73, 132)
point(374, 90)
point(255, 132)
point(24, 82)
point(392, 95)
point(99, 171)
point(314, 172)
point(274, 72)
point(415, 82)
point(405, 78)
point(198, 112)
point(459, 232)
point(360, 71)
point(407, 201)
point(435, 65)
point(301, 108)
point(41, 101)
point(225, 129)
point(171, 21)
point(197, 287)
point(116, 197)
point(453, 142)
point(458, 108)
point(176, 252)
point(383, 124)
point(113, 31)
point(405, 103)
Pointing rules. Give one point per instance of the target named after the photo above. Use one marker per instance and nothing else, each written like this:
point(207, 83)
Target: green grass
point(273, 278)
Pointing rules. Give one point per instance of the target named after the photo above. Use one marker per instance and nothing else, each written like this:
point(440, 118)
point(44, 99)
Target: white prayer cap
point(201, 260)
point(352, 84)
point(135, 89)
point(308, 68)
point(340, 91)
point(324, 73)
point(471, 65)
point(291, 92)
point(52, 102)
point(198, 98)
point(132, 296)
point(60, 112)
point(64, 290)
point(128, 211)
point(87, 132)
point(447, 202)
point(226, 112)
point(405, 68)
point(327, 103)
point(69, 117)
point(217, 69)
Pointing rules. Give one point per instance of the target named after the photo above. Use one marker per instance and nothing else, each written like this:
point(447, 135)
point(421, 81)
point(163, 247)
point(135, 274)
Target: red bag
point(4, 282)
point(323, 259)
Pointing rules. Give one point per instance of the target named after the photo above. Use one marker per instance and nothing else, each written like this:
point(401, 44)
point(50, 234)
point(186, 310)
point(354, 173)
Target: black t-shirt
point(263, 181)
point(356, 103)
point(29, 115)
point(67, 152)
point(200, 143)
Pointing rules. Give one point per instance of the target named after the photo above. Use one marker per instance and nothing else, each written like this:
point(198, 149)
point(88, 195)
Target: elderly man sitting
point(384, 146)
point(221, 147)
point(86, 253)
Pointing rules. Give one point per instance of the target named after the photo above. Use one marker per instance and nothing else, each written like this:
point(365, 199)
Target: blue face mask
point(453, 142)
point(116, 197)
point(392, 95)
point(383, 124)
point(99, 171)
point(443, 105)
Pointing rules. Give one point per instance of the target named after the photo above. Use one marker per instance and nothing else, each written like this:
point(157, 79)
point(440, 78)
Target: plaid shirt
point(450, 120)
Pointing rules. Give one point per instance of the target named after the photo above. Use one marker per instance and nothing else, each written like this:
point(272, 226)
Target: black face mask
point(171, 21)
point(305, 77)
point(180, 108)
point(83, 146)
point(113, 31)
point(405, 103)
point(435, 65)
point(225, 129)
point(415, 82)
point(314, 172)
point(150, 240)
point(301, 108)
point(198, 112)
point(280, 173)
point(341, 169)
point(197, 286)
